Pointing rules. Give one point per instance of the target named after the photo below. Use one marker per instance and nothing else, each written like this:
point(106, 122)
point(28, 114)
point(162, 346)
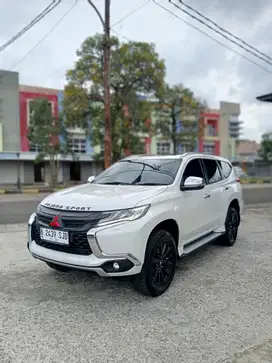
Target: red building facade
point(28, 94)
point(209, 138)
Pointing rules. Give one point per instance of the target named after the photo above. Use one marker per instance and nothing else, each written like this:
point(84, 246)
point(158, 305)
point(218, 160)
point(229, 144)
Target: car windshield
point(141, 172)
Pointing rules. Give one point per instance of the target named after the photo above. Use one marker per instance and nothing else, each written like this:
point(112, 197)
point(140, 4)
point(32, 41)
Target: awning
point(265, 98)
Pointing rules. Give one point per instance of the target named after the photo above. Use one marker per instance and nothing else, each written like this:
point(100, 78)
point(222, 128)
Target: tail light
point(238, 180)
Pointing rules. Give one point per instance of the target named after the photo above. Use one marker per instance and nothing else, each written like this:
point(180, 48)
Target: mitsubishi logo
point(56, 222)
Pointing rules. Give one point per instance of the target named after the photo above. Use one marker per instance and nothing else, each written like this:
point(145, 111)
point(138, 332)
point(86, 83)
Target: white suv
point(138, 217)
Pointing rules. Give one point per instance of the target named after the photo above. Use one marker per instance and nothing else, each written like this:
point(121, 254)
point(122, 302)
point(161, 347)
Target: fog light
point(116, 265)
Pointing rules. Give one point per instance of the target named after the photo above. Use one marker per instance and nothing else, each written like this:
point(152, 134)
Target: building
point(218, 132)
point(17, 156)
point(9, 112)
point(247, 151)
point(230, 128)
point(10, 141)
point(209, 138)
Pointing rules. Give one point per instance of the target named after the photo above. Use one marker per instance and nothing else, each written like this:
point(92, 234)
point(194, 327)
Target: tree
point(44, 132)
point(177, 116)
point(135, 69)
point(266, 149)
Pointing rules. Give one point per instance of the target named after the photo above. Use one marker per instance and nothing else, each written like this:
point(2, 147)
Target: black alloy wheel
point(231, 225)
point(159, 266)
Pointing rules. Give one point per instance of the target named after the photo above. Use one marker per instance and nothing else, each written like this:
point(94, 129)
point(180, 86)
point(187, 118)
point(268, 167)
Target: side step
point(192, 246)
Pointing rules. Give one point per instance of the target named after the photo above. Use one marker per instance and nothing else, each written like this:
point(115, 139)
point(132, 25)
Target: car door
point(193, 206)
point(213, 192)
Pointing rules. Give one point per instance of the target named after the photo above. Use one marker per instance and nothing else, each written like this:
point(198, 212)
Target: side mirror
point(91, 179)
point(193, 183)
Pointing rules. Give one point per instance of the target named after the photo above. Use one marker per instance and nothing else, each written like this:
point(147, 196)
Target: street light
point(18, 172)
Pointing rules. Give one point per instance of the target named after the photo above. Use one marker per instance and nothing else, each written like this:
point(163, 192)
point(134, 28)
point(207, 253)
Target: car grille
point(77, 224)
point(66, 221)
point(78, 242)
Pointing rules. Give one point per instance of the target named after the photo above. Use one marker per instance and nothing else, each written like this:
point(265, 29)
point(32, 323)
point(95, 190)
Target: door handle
point(207, 196)
point(226, 188)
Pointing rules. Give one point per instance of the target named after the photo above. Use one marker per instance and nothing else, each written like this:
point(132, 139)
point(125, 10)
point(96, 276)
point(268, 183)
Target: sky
point(212, 71)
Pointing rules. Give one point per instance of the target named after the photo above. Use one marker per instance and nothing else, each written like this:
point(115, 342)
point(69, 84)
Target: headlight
point(122, 215)
point(30, 222)
point(32, 218)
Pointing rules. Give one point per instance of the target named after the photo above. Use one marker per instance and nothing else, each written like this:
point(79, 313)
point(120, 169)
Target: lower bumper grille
point(78, 242)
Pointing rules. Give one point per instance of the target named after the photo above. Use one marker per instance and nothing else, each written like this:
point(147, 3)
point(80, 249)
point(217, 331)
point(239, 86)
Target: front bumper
point(121, 244)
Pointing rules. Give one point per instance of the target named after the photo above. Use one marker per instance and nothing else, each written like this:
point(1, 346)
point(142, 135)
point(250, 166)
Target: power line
point(39, 17)
point(46, 35)
point(60, 20)
point(224, 30)
point(131, 13)
point(214, 39)
point(223, 35)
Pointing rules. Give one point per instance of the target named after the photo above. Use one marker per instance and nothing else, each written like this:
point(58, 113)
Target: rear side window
point(225, 168)
point(212, 171)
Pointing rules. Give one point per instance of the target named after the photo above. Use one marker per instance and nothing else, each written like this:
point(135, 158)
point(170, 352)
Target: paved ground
point(17, 208)
point(217, 310)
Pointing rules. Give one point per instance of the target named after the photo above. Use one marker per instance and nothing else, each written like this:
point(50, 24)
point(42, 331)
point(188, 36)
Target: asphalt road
point(216, 311)
point(17, 208)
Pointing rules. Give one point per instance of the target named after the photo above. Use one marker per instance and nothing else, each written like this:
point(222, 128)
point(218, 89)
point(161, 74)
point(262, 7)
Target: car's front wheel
point(159, 266)
point(58, 267)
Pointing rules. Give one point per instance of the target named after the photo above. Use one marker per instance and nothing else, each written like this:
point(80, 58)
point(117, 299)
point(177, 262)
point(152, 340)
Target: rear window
point(225, 169)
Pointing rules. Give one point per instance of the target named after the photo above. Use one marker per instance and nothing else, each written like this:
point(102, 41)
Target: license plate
point(51, 235)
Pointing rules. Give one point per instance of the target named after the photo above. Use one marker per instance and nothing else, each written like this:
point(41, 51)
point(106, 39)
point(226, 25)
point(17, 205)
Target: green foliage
point(266, 150)
point(44, 131)
point(135, 68)
point(179, 103)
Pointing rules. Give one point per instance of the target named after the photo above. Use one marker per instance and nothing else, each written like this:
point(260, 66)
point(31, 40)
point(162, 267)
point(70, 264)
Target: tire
point(160, 261)
point(231, 225)
point(58, 267)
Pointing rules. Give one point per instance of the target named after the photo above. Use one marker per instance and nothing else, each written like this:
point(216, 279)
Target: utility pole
point(107, 101)
point(106, 73)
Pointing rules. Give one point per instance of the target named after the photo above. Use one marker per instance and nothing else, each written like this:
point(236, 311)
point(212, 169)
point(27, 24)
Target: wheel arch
point(171, 226)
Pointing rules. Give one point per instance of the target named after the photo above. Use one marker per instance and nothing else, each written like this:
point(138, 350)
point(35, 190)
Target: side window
point(212, 170)
point(225, 168)
point(193, 168)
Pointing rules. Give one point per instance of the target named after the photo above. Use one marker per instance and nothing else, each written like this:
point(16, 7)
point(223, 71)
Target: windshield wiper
point(114, 183)
point(154, 167)
point(150, 184)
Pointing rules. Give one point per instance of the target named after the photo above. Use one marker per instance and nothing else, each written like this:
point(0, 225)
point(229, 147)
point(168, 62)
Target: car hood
point(98, 197)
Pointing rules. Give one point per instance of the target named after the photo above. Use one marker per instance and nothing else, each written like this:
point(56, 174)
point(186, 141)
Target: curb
point(267, 181)
point(28, 191)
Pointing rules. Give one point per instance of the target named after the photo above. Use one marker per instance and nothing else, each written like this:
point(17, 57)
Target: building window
point(34, 148)
point(30, 111)
point(163, 148)
point(209, 148)
point(78, 146)
point(185, 147)
point(211, 130)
